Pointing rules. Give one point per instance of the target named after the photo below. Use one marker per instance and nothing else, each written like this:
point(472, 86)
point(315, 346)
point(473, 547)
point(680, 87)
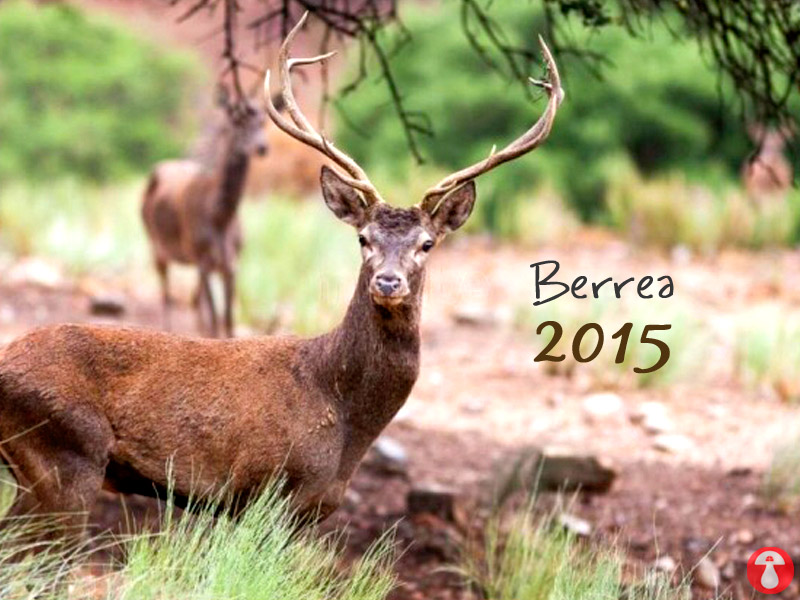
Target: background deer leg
point(166, 298)
point(229, 285)
point(207, 301)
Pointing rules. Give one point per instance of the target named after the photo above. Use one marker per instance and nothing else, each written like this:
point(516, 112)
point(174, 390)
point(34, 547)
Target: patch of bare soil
point(480, 398)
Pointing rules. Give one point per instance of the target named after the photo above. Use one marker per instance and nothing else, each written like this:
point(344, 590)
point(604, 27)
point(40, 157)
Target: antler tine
point(300, 128)
point(530, 140)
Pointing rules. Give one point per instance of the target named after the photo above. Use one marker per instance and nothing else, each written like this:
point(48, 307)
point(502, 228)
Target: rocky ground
point(688, 459)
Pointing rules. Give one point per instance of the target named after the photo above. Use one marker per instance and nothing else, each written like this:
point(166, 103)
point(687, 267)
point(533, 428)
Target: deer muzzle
point(389, 288)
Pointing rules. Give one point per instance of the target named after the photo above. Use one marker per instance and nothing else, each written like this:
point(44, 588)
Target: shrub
point(81, 96)
point(659, 119)
point(530, 558)
point(670, 211)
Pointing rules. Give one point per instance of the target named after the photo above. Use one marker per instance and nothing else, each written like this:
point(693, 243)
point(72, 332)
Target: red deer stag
point(190, 211)
point(767, 175)
point(87, 407)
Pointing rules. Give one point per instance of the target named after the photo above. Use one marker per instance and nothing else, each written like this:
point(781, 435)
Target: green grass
point(767, 352)
point(781, 485)
point(299, 265)
point(669, 211)
point(259, 556)
point(531, 558)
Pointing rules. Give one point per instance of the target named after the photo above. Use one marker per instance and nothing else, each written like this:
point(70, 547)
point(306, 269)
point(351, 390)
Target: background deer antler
point(522, 145)
point(301, 129)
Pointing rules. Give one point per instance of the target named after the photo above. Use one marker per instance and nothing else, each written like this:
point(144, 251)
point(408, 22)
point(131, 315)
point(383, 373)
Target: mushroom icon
point(769, 559)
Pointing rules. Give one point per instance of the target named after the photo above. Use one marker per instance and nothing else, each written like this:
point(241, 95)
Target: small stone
point(602, 407)
point(388, 455)
point(706, 574)
point(107, 305)
point(432, 499)
point(672, 443)
point(665, 564)
point(653, 417)
point(475, 315)
point(729, 571)
point(575, 525)
point(474, 406)
point(745, 537)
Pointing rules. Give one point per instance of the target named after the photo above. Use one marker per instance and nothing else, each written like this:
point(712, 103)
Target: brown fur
point(190, 215)
point(84, 407)
point(768, 175)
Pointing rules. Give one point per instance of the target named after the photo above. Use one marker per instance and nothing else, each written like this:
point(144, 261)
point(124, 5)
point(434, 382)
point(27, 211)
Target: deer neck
point(370, 362)
point(232, 177)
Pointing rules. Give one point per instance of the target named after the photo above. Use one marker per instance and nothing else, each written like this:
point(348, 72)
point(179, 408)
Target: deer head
point(246, 122)
point(395, 242)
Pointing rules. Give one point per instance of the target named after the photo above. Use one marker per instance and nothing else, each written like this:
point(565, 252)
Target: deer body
point(82, 407)
point(190, 215)
point(85, 407)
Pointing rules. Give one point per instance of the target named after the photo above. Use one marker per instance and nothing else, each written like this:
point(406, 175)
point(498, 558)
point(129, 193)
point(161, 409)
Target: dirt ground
point(480, 397)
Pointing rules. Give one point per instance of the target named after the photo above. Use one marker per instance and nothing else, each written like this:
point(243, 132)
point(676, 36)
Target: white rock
point(389, 454)
point(706, 574)
point(653, 417)
point(672, 443)
point(575, 525)
point(602, 407)
point(665, 564)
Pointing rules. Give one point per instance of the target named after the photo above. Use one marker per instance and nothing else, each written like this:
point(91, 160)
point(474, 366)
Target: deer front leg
point(229, 285)
point(207, 300)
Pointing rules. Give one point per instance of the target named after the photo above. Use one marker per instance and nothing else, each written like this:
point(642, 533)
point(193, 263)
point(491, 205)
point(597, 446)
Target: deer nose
point(388, 283)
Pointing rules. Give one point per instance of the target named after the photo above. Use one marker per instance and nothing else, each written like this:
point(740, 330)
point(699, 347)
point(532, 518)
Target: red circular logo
point(770, 570)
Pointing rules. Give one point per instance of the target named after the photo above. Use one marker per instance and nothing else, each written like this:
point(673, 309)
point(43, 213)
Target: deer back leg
point(59, 462)
point(162, 268)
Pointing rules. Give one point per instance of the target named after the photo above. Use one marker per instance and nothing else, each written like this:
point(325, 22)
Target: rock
point(35, 271)
point(672, 443)
point(478, 315)
point(602, 407)
point(474, 406)
point(653, 417)
point(107, 305)
point(665, 564)
point(745, 537)
point(729, 571)
point(564, 471)
point(388, 455)
point(706, 574)
point(433, 499)
point(553, 470)
point(575, 525)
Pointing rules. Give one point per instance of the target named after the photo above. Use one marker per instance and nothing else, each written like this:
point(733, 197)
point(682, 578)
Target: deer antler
point(522, 145)
point(299, 126)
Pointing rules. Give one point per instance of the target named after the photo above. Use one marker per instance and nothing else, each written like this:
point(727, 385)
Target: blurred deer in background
point(85, 407)
point(190, 211)
point(767, 175)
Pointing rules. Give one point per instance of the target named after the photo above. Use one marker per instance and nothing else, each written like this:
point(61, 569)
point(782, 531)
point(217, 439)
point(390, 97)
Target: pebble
point(602, 406)
point(576, 525)
point(665, 564)
point(672, 443)
point(389, 455)
point(706, 574)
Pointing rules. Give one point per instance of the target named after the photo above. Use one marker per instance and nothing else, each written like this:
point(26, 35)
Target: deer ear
point(342, 199)
point(450, 211)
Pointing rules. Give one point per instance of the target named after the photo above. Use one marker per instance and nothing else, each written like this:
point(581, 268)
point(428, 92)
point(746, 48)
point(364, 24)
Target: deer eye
point(362, 240)
point(427, 245)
